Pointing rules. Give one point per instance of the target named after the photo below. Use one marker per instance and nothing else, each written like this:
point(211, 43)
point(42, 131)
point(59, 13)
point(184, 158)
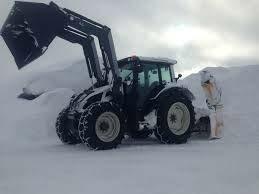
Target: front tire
point(175, 120)
point(101, 126)
point(63, 131)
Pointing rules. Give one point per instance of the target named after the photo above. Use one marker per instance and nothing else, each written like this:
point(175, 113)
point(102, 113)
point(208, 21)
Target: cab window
point(165, 74)
point(126, 72)
point(148, 76)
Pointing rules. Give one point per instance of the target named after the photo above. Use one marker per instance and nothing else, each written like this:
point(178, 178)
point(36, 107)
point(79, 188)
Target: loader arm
point(31, 27)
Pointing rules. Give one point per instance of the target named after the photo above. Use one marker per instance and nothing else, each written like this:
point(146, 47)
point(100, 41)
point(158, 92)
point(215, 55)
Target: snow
point(73, 76)
point(158, 59)
point(32, 159)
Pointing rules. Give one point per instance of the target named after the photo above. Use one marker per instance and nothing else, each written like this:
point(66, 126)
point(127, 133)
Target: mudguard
point(173, 90)
point(81, 101)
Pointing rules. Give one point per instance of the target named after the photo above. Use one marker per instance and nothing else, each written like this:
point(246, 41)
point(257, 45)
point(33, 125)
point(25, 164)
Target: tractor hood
point(30, 28)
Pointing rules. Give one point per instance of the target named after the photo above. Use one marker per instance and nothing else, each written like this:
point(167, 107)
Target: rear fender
point(172, 91)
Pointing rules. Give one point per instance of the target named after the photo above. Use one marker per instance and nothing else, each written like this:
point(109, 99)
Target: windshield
point(126, 72)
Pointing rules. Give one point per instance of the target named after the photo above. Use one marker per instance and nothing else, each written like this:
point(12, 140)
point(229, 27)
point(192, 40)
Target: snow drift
point(74, 76)
point(58, 84)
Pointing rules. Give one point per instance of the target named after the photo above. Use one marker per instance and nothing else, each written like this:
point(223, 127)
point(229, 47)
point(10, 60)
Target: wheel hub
point(173, 118)
point(107, 126)
point(104, 126)
point(178, 118)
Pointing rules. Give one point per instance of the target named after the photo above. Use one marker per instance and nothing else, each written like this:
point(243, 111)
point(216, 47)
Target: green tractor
point(125, 92)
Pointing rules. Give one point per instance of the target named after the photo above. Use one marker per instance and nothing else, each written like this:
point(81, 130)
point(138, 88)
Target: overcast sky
point(197, 33)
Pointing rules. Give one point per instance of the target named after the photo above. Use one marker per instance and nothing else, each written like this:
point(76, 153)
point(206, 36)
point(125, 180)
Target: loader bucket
point(29, 29)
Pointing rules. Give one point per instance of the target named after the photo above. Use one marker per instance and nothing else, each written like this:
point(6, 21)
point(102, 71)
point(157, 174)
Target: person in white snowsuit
point(214, 102)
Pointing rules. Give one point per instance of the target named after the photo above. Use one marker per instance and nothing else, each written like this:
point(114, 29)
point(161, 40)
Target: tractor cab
point(143, 78)
point(146, 76)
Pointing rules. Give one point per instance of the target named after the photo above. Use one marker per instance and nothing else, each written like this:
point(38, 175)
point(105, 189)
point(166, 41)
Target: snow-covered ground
point(32, 159)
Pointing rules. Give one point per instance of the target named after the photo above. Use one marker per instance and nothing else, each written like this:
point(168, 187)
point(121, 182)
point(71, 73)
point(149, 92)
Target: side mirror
point(179, 76)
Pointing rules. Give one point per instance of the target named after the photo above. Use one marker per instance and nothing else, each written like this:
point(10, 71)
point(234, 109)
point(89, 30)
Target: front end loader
point(115, 105)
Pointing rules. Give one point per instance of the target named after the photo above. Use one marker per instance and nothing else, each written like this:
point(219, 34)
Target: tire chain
point(58, 127)
point(82, 125)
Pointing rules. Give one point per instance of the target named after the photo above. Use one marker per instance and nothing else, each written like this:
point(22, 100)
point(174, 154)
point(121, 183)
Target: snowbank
point(240, 94)
point(74, 76)
point(240, 97)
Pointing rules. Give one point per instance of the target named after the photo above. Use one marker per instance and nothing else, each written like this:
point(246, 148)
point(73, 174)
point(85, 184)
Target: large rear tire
point(175, 120)
point(101, 126)
point(63, 131)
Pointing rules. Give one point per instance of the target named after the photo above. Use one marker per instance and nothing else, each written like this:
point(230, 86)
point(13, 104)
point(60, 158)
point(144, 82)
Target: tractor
point(124, 92)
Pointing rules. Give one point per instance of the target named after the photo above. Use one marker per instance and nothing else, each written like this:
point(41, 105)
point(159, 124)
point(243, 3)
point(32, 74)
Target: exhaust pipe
point(30, 28)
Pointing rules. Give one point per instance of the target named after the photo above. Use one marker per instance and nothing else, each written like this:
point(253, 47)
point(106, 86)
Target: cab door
point(148, 81)
point(129, 77)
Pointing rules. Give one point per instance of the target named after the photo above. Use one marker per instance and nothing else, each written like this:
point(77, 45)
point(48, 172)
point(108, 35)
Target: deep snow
point(32, 160)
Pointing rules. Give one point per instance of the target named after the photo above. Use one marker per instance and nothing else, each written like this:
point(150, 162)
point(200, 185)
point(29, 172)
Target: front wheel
point(63, 131)
point(101, 126)
point(175, 120)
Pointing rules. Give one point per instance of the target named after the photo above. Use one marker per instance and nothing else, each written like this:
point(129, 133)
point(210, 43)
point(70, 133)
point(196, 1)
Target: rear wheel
point(175, 120)
point(101, 126)
point(63, 131)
